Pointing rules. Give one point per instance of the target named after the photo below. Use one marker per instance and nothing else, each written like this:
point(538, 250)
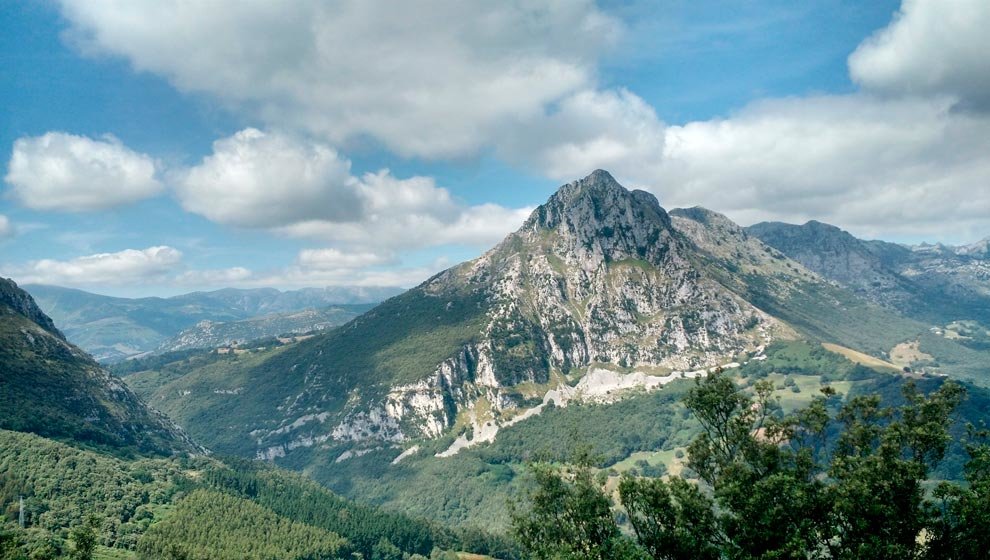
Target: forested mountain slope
point(197, 508)
point(50, 387)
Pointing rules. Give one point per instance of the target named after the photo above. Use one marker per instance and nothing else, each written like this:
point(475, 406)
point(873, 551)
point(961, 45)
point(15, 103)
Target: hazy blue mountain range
point(213, 334)
point(112, 328)
point(938, 284)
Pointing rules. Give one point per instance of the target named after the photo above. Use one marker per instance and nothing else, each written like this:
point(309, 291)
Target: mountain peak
point(977, 249)
point(815, 225)
point(602, 177)
point(705, 217)
point(599, 183)
point(600, 194)
point(597, 219)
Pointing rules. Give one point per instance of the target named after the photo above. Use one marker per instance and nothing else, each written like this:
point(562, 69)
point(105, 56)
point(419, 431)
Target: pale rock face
point(271, 453)
point(349, 454)
point(598, 385)
point(407, 453)
point(373, 424)
point(300, 422)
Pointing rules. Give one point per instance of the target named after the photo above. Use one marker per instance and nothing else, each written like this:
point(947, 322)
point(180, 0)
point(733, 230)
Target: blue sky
point(153, 150)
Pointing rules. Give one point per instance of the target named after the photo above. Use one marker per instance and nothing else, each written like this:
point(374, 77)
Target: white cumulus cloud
point(304, 189)
point(877, 166)
point(258, 179)
point(65, 172)
point(121, 268)
point(932, 47)
point(610, 129)
point(431, 79)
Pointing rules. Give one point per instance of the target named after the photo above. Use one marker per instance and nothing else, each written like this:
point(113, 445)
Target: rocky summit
point(599, 274)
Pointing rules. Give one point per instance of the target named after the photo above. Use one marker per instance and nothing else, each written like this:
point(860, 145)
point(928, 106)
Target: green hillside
point(244, 392)
point(473, 487)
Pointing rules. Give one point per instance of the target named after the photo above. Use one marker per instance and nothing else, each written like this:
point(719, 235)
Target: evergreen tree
point(672, 521)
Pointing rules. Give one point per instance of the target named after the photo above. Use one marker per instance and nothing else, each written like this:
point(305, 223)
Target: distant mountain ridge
point(54, 389)
point(934, 283)
point(213, 334)
point(112, 328)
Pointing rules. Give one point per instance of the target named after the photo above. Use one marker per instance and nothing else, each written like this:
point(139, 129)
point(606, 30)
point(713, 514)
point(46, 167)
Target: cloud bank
point(165, 266)
point(434, 79)
point(931, 48)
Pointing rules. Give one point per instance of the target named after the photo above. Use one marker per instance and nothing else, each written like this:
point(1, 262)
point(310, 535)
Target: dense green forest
point(837, 479)
point(209, 525)
point(195, 508)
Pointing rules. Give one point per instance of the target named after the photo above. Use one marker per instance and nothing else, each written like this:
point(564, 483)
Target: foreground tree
point(569, 517)
point(832, 481)
point(962, 529)
point(84, 539)
point(672, 521)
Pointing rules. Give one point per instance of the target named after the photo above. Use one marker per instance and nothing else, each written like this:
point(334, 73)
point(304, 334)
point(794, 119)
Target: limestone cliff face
point(598, 276)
